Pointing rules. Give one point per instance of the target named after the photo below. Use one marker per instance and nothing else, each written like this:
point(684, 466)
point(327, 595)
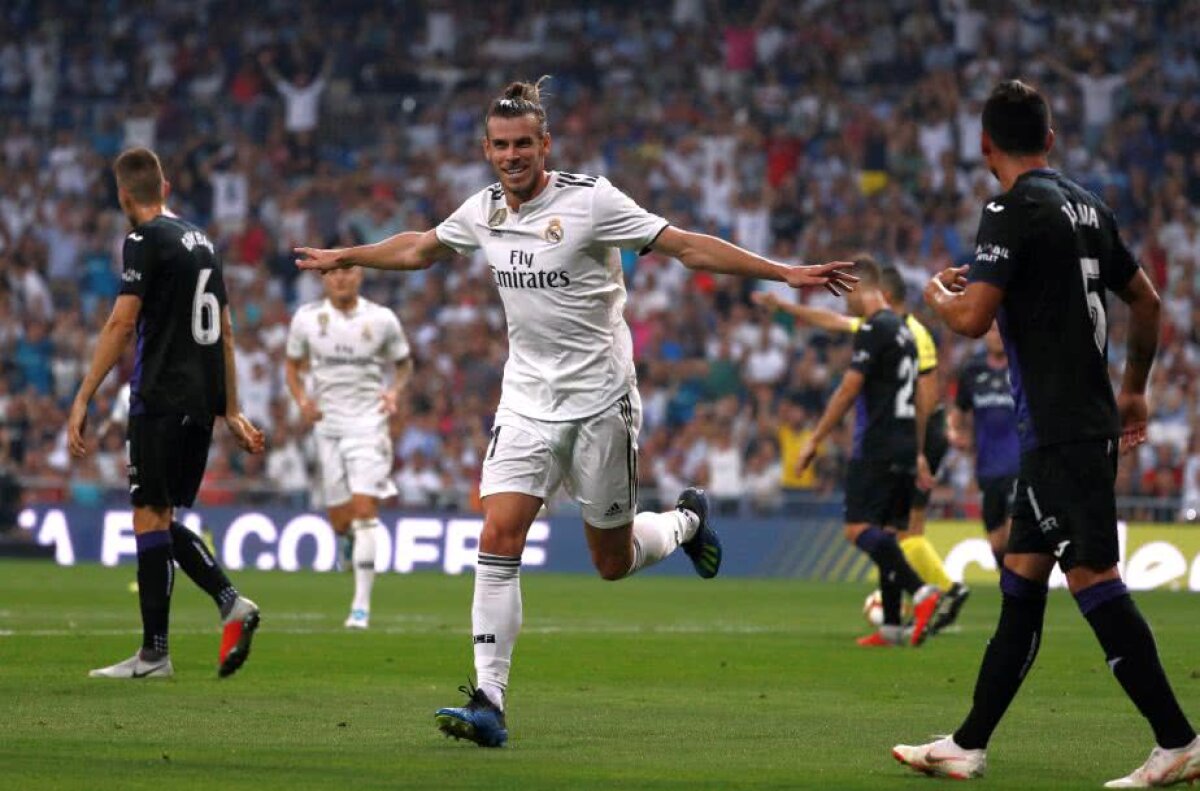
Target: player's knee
point(611, 567)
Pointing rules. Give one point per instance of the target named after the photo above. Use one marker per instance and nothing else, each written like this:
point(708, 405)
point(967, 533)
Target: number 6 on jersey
point(206, 324)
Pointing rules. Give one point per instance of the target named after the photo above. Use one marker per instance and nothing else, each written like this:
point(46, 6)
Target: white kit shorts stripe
point(594, 459)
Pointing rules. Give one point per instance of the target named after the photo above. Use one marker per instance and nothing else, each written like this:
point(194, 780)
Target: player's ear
point(1049, 140)
point(985, 144)
point(166, 190)
point(546, 144)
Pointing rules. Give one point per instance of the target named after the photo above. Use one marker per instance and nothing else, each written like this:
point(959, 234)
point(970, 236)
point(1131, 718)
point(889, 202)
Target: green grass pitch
point(651, 683)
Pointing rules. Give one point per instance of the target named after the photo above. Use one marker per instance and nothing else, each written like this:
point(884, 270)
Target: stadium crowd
point(805, 131)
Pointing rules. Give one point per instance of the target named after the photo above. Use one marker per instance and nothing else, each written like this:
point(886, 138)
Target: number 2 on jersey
point(1091, 292)
point(906, 372)
point(206, 323)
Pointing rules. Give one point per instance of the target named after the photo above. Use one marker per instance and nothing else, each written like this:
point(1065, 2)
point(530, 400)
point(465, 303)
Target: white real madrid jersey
point(347, 355)
point(559, 275)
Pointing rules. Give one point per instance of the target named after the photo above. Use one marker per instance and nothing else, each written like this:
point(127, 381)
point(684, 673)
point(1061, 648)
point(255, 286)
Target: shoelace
point(475, 694)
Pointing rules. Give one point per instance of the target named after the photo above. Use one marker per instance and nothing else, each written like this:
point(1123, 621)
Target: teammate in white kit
point(348, 342)
point(569, 410)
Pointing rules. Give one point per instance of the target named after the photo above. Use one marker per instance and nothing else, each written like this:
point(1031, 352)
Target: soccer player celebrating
point(1047, 250)
point(919, 553)
point(888, 458)
point(984, 393)
point(569, 412)
point(347, 342)
point(173, 298)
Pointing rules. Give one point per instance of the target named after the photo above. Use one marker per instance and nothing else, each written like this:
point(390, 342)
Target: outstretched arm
point(114, 337)
point(710, 254)
point(822, 318)
point(404, 251)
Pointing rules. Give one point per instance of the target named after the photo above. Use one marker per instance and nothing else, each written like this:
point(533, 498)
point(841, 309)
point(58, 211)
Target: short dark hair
point(139, 173)
point(866, 269)
point(518, 99)
point(1017, 118)
point(892, 283)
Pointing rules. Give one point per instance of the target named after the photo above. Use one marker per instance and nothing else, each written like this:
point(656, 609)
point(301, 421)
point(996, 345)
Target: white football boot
point(358, 619)
point(942, 758)
point(1164, 768)
point(136, 667)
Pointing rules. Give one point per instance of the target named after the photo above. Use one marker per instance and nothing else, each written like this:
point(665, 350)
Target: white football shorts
point(354, 465)
point(594, 458)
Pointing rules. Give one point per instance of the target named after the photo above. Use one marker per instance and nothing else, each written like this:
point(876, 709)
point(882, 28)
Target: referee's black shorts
point(937, 445)
point(167, 457)
point(1066, 504)
point(878, 493)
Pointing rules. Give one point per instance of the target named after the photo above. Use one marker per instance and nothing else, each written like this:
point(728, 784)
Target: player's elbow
point(1147, 306)
point(972, 325)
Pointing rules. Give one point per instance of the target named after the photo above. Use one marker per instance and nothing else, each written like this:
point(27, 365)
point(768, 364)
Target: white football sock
point(657, 535)
point(364, 562)
point(495, 621)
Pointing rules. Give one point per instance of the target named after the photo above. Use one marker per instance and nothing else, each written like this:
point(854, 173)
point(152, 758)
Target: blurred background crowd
point(805, 131)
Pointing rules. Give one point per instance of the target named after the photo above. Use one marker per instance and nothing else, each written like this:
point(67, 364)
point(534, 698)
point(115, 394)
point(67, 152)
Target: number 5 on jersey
point(206, 320)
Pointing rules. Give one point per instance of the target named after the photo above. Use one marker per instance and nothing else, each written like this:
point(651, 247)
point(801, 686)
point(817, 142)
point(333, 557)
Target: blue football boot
point(480, 721)
point(704, 548)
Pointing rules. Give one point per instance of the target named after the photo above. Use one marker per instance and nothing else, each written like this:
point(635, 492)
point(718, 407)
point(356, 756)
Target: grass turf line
point(654, 683)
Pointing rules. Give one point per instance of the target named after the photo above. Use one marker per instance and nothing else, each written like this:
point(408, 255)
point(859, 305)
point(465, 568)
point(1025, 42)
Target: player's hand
point(924, 474)
point(807, 454)
point(1134, 414)
point(76, 424)
point(954, 279)
point(319, 260)
point(833, 276)
point(387, 402)
point(309, 412)
point(251, 439)
point(765, 299)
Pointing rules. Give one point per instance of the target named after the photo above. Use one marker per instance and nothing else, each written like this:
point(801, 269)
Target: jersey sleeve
point(396, 348)
point(866, 344)
point(137, 262)
point(458, 230)
point(996, 244)
point(619, 222)
point(926, 348)
point(962, 395)
point(1120, 267)
point(297, 340)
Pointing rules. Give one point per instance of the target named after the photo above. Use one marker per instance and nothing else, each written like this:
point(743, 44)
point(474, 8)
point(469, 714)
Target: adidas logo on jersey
point(614, 510)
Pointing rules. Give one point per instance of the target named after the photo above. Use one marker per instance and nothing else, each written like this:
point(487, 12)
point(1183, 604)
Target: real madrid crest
point(366, 334)
point(323, 322)
point(554, 231)
point(498, 217)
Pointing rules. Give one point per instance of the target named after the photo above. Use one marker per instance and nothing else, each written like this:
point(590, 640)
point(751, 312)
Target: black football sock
point(1009, 655)
point(891, 597)
point(1133, 657)
point(883, 548)
point(202, 568)
point(155, 577)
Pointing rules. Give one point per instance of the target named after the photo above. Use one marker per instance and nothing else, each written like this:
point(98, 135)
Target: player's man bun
point(518, 99)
